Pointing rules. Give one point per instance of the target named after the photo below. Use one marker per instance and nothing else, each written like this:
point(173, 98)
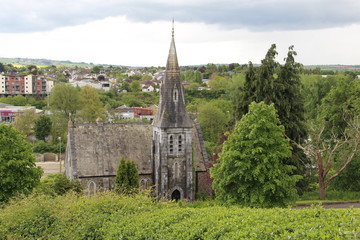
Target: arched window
point(176, 95)
point(91, 188)
point(180, 144)
point(171, 144)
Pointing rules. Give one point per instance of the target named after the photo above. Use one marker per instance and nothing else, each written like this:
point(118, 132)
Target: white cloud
point(117, 40)
point(255, 15)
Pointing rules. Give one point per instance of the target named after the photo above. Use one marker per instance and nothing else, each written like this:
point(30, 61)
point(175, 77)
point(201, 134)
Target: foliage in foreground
point(112, 216)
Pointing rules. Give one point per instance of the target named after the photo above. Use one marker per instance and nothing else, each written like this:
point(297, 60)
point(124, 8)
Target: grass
point(331, 196)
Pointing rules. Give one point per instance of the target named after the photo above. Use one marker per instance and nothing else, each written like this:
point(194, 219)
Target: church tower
point(173, 169)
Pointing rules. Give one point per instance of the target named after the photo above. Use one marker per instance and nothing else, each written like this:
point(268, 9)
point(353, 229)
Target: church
point(169, 154)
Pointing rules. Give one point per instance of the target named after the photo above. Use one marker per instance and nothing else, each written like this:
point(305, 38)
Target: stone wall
point(94, 150)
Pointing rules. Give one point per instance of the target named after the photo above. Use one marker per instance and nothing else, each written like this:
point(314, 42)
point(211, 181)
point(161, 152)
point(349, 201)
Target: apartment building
point(13, 84)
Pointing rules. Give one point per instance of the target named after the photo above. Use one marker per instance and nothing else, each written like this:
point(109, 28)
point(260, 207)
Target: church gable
point(99, 147)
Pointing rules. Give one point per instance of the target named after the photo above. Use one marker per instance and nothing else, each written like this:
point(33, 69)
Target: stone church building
point(169, 153)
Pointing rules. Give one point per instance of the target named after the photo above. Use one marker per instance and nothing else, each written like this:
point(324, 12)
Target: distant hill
point(47, 62)
point(335, 67)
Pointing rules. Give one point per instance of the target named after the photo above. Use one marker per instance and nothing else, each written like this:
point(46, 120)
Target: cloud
point(17, 16)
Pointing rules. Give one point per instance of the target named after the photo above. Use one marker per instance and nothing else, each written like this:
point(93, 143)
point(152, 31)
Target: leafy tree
point(193, 76)
point(18, 172)
point(125, 86)
point(127, 177)
point(340, 104)
point(250, 170)
point(65, 98)
point(42, 127)
point(209, 70)
point(135, 86)
point(315, 88)
point(349, 179)
point(60, 77)
point(212, 120)
point(335, 136)
point(58, 184)
point(2, 68)
point(193, 86)
point(146, 77)
point(281, 85)
point(96, 69)
point(24, 123)
point(332, 153)
point(91, 106)
point(218, 83)
point(59, 126)
point(44, 147)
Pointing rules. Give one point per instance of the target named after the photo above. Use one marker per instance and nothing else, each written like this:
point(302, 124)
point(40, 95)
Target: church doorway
point(175, 195)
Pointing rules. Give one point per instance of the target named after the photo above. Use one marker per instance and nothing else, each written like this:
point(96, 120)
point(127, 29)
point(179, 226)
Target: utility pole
point(59, 138)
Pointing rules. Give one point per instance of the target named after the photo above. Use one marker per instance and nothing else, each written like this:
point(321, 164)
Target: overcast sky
point(138, 32)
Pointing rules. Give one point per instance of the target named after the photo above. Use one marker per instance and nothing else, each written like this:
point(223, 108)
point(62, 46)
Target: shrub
point(44, 147)
point(58, 184)
point(127, 177)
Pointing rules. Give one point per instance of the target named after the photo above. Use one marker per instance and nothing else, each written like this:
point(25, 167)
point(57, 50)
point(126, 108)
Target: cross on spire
point(173, 27)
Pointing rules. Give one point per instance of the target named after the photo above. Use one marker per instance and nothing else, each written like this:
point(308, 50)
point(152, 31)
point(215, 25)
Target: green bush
point(58, 184)
point(112, 216)
point(127, 177)
point(44, 147)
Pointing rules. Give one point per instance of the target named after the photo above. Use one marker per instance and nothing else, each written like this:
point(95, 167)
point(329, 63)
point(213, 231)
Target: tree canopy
point(272, 82)
point(42, 127)
point(65, 98)
point(18, 173)
point(250, 170)
point(90, 104)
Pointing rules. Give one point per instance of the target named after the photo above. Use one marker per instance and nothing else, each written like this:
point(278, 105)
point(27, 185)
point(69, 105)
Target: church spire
point(172, 62)
point(172, 110)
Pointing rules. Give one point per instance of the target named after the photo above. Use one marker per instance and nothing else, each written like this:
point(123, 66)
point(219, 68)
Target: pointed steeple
point(172, 110)
point(172, 62)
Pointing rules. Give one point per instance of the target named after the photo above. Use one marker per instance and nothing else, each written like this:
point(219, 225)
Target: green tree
point(59, 126)
point(66, 99)
point(24, 123)
point(250, 170)
point(2, 68)
point(60, 77)
point(127, 177)
point(58, 184)
point(42, 127)
point(331, 153)
point(91, 106)
point(125, 86)
point(18, 100)
point(193, 86)
point(218, 83)
point(212, 121)
point(146, 77)
point(96, 69)
point(281, 85)
point(135, 86)
point(18, 172)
